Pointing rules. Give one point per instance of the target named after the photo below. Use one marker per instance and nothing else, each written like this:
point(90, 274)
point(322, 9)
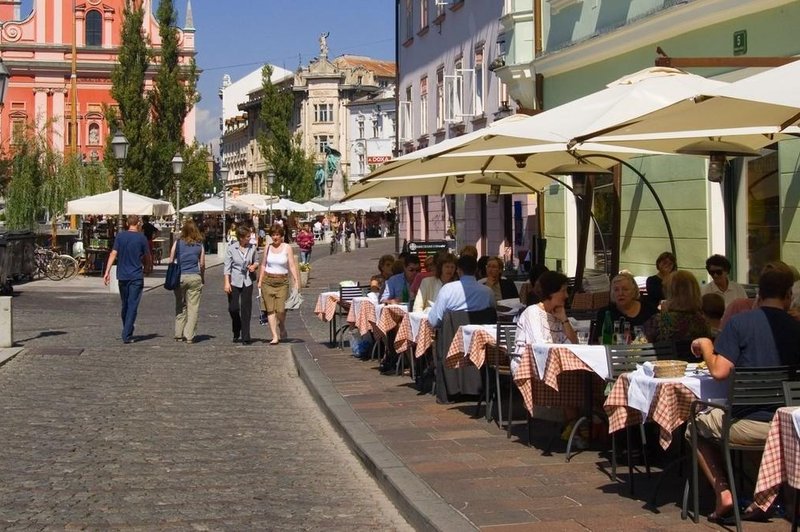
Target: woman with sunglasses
point(718, 267)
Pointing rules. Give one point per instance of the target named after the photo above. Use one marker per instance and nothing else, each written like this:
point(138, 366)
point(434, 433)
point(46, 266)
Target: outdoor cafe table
point(363, 313)
point(553, 374)
point(391, 317)
point(664, 401)
point(415, 330)
point(781, 460)
point(326, 305)
point(470, 344)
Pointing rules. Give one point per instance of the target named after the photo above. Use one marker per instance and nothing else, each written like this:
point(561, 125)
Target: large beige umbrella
point(752, 112)
point(544, 137)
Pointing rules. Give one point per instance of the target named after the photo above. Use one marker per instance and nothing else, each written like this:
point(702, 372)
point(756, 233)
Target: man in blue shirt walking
point(133, 252)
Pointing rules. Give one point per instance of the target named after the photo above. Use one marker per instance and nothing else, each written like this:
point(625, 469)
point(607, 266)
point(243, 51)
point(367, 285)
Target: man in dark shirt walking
point(131, 248)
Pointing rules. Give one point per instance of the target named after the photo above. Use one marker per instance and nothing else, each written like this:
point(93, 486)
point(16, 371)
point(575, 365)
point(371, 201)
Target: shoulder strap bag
point(173, 278)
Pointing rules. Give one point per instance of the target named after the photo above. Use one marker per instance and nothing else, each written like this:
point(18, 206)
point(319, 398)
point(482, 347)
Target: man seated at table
point(398, 286)
point(767, 336)
point(465, 294)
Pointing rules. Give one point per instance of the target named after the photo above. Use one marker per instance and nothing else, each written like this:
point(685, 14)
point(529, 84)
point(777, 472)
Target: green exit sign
point(740, 42)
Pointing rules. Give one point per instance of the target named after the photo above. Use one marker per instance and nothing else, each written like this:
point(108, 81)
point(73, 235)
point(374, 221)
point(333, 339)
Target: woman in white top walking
point(273, 278)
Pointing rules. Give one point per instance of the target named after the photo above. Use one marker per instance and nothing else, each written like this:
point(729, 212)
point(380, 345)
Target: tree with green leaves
point(173, 96)
point(127, 88)
point(195, 179)
point(283, 151)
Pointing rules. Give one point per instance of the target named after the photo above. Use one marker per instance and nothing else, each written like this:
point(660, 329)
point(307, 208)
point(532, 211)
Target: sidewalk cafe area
point(505, 457)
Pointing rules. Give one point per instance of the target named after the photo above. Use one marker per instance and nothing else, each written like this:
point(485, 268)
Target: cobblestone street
point(165, 435)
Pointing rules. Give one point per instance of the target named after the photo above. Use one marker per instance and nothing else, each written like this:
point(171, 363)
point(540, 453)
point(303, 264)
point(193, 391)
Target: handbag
point(294, 300)
point(173, 278)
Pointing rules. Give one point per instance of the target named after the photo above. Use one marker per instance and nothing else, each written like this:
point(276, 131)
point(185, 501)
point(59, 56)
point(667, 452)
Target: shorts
point(743, 431)
point(274, 291)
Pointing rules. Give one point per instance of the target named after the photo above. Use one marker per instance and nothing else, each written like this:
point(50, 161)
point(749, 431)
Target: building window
point(362, 164)
point(322, 142)
point(323, 112)
point(94, 28)
point(440, 7)
point(423, 13)
point(423, 106)
point(361, 127)
point(454, 93)
point(440, 97)
point(17, 130)
point(409, 19)
point(479, 81)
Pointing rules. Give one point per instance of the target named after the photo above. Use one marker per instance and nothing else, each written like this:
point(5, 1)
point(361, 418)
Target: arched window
point(94, 28)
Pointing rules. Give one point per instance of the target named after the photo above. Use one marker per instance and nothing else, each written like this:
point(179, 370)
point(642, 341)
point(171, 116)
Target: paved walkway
point(162, 435)
point(155, 429)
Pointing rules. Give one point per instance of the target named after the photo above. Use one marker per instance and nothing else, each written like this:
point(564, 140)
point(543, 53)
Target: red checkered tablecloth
point(781, 460)
point(669, 409)
point(563, 384)
point(326, 306)
point(405, 336)
point(482, 343)
point(391, 316)
point(365, 317)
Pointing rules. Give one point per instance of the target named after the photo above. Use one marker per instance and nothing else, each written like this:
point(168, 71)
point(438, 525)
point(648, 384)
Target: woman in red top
point(305, 241)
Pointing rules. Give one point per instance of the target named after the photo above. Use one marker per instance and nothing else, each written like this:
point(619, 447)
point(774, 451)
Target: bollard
point(6, 322)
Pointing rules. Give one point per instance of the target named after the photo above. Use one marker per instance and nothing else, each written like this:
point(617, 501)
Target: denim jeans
point(130, 293)
point(304, 256)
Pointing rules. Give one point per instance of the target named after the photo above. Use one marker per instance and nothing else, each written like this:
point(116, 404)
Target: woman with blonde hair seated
point(444, 272)
point(626, 303)
point(681, 317)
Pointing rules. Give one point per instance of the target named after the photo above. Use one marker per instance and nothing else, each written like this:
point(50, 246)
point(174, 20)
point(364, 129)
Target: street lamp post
point(177, 170)
point(120, 146)
point(271, 182)
point(223, 175)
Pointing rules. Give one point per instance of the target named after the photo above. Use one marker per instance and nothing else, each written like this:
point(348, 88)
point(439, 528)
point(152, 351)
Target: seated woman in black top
point(625, 303)
point(665, 264)
point(503, 288)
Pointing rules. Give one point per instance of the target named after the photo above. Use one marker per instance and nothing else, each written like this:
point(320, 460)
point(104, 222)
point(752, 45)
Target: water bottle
point(404, 294)
point(607, 331)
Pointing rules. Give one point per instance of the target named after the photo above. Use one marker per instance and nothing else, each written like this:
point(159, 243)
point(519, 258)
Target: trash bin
point(16, 257)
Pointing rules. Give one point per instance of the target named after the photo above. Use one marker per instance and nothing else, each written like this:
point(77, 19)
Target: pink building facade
point(38, 52)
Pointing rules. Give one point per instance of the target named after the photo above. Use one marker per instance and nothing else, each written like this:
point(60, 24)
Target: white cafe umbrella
point(750, 112)
point(546, 137)
point(283, 204)
point(214, 205)
point(108, 203)
point(311, 206)
point(372, 204)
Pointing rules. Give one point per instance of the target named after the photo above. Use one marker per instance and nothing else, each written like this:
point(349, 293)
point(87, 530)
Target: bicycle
point(52, 265)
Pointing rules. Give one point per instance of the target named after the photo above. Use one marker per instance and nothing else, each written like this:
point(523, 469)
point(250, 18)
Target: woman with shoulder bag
point(239, 271)
point(273, 279)
point(192, 258)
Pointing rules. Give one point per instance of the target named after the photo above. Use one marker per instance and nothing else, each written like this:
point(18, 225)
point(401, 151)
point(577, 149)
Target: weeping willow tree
point(42, 181)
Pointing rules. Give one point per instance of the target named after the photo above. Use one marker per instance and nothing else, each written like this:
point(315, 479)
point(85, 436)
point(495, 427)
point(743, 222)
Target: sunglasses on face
point(714, 273)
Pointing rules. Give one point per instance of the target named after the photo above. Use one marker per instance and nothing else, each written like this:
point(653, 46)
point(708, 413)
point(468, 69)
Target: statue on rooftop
point(323, 44)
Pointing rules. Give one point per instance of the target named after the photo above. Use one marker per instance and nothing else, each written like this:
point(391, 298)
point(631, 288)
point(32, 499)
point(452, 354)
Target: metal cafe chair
point(748, 388)
point(346, 296)
point(624, 359)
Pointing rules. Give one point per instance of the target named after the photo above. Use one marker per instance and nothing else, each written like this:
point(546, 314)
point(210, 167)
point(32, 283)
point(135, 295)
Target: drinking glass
point(583, 337)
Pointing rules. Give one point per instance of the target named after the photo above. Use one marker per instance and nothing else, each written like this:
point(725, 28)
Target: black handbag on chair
point(173, 278)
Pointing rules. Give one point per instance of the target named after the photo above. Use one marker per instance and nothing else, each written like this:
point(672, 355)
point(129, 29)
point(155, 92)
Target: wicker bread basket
point(668, 369)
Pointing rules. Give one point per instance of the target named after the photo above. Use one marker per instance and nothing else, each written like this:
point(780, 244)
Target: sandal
point(720, 518)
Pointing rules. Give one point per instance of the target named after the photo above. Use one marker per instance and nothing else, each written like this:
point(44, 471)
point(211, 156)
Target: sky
point(236, 37)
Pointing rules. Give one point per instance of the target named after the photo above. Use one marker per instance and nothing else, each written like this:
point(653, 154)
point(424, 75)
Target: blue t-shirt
point(131, 248)
point(762, 337)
